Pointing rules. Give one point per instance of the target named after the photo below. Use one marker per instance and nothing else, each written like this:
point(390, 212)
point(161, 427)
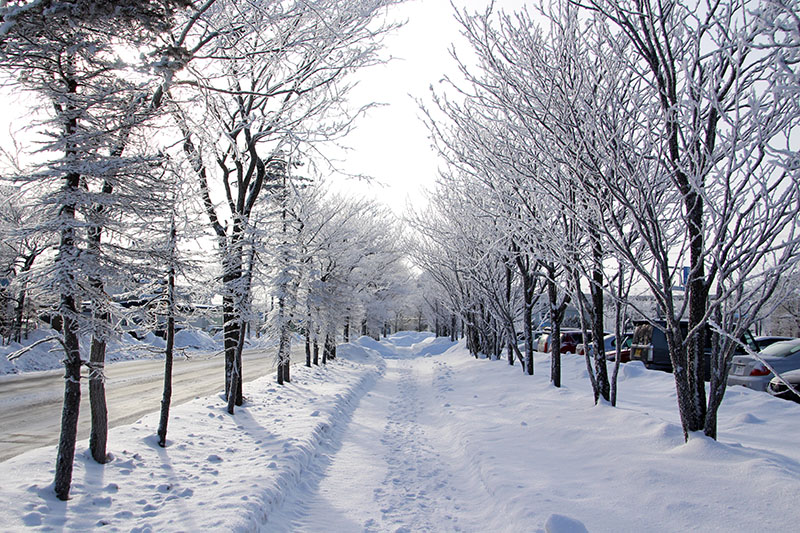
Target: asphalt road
point(30, 405)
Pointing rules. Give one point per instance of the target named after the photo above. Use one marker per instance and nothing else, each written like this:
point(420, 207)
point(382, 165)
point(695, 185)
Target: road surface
point(30, 405)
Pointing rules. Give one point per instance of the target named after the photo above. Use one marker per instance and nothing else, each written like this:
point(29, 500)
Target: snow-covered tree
point(69, 53)
point(275, 86)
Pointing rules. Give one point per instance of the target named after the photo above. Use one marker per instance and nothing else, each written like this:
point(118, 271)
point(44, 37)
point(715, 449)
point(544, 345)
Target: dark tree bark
point(72, 356)
point(69, 311)
point(19, 311)
point(72, 401)
point(602, 386)
point(308, 348)
point(556, 317)
point(166, 397)
point(236, 376)
point(98, 437)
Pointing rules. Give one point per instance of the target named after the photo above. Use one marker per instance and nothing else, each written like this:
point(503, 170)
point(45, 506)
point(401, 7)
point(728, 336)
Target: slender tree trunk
point(556, 315)
point(166, 396)
point(600, 367)
point(72, 402)
point(98, 436)
point(617, 335)
point(308, 348)
point(284, 346)
point(69, 311)
point(527, 309)
point(236, 376)
point(316, 352)
point(72, 367)
point(18, 316)
point(325, 348)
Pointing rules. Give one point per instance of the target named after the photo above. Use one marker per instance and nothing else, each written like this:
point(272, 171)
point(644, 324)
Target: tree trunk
point(284, 345)
point(308, 348)
point(72, 402)
point(18, 316)
point(166, 397)
point(316, 352)
point(695, 351)
point(527, 289)
point(98, 436)
point(600, 368)
point(236, 374)
point(69, 311)
point(556, 316)
point(325, 349)
point(618, 316)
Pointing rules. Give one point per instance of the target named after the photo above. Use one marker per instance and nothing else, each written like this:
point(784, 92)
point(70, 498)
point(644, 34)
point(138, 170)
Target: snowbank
point(218, 472)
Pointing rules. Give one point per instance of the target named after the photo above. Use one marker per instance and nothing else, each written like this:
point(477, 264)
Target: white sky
point(391, 144)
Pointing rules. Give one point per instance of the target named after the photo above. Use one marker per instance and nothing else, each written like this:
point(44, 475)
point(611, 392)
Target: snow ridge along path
point(218, 472)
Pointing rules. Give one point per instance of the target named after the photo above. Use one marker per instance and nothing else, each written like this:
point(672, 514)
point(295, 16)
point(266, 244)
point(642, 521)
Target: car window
point(750, 341)
point(781, 349)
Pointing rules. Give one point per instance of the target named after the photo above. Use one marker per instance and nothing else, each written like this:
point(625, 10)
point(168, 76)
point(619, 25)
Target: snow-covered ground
point(412, 434)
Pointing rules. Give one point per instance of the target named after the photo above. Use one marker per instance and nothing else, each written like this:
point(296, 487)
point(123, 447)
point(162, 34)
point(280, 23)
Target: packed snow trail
point(390, 471)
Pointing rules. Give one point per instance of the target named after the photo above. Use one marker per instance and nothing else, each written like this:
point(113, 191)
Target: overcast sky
point(391, 143)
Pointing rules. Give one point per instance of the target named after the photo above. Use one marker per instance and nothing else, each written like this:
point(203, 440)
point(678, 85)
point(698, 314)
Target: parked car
point(610, 347)
point(749, 372)
point(570, 341)
point(778, 389)
point(650, 346)
point(765, 341)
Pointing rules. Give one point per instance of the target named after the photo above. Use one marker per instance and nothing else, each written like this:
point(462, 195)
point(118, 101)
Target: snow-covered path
point(390, 471)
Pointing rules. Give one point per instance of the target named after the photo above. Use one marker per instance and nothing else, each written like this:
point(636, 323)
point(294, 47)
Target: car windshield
point(782, 349)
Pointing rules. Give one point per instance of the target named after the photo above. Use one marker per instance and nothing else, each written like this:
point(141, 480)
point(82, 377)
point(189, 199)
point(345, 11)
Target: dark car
point(778, 389)
point(650, 346)
point(570, 341)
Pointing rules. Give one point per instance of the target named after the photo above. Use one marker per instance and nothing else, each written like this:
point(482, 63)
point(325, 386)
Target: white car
point(751, 373)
